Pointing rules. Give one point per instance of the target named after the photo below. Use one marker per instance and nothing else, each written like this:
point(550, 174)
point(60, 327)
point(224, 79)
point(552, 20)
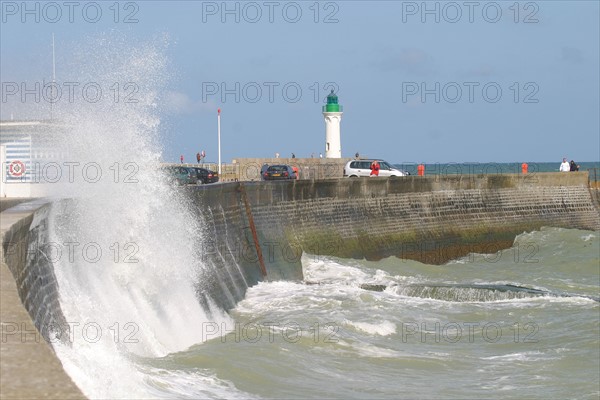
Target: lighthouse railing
point(333, 109)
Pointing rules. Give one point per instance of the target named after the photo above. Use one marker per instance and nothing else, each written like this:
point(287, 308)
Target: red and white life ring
point(16, 168)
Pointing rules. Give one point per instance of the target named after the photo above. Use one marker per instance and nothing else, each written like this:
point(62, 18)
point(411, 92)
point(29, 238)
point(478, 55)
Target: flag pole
point(219, 137)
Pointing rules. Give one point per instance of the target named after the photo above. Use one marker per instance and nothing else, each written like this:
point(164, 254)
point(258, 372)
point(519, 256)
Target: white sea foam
point(368, 350)
point(587, 238)
point(384, 328)
point(138, 296)
point(521, 357)
point(326, 271)
point(193, 384)
point(353, 348)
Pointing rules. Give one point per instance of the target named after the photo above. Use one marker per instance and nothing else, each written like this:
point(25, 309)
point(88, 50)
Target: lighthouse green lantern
point(332, 103)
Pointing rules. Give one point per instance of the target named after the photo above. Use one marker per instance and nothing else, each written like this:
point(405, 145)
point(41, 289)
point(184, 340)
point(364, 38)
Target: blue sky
point(420, 82)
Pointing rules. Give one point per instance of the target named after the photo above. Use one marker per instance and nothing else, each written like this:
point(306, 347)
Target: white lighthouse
point(332, 112)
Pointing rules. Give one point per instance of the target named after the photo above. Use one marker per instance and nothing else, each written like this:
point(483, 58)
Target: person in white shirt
point(565, 166)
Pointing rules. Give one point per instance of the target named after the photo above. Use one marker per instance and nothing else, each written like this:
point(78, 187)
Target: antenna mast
point(53, 78)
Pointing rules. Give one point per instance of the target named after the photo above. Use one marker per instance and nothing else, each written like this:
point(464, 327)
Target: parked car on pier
point(179, 175)
point(204, 175)
point(279, 172)
point(263, 169)
point(358, 168)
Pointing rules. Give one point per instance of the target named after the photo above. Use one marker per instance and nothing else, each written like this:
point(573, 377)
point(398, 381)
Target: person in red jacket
point(375, 168)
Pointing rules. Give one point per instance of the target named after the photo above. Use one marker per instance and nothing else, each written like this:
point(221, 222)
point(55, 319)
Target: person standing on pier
point(374, 168)
point(565, 166)
point(573, 166)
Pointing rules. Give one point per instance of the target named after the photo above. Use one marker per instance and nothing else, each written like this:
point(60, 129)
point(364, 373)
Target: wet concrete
point(29, 368)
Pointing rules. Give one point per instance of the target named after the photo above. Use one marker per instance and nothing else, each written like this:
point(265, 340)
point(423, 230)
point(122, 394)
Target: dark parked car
point(180, 175)
point(263, 169)
point(276, 172)
point(205, 175)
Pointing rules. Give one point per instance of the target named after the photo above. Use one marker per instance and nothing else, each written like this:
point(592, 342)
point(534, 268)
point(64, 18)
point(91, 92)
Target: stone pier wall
point(431, 219)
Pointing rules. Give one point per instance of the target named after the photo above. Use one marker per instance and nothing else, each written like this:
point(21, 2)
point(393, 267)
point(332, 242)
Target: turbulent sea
point(480, 335)
point(520, 323)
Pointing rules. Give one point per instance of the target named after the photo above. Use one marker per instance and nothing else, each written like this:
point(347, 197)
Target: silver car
point(358, 168)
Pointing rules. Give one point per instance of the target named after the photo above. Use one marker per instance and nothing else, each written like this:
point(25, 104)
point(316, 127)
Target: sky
point(436, 81)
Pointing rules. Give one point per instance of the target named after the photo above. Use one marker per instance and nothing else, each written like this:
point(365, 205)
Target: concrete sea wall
point(431, 219)
point(258, 231)
point(29, 368)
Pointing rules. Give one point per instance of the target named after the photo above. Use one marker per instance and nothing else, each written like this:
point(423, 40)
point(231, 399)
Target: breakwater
point(431, 219)
point(257, 231)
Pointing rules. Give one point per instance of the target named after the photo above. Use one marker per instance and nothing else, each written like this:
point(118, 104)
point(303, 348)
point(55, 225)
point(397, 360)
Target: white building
point(24, 147)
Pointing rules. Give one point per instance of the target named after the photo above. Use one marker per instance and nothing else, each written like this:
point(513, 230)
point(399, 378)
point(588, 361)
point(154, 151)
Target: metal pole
point(219, 137)
point(53, 79)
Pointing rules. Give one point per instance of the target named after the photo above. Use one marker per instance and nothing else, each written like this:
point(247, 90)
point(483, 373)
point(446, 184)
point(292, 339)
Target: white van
point(357, 168)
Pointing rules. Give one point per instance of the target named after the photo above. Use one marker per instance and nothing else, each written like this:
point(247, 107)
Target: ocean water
point(480, 335)
point(474, 168)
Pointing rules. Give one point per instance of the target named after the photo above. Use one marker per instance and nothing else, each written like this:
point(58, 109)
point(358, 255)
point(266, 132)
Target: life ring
point(16, 168)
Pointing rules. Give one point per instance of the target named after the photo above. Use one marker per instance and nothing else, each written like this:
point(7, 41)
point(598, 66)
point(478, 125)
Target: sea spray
point(127, 266)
